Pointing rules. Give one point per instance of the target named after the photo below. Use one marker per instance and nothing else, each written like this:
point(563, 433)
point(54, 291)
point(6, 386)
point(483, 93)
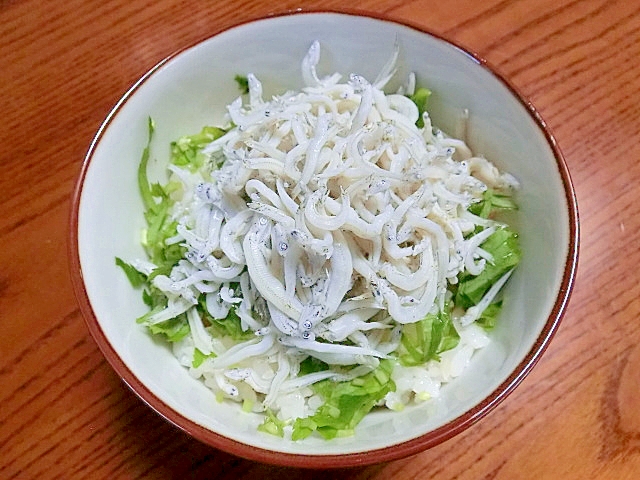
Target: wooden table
point(64, 411)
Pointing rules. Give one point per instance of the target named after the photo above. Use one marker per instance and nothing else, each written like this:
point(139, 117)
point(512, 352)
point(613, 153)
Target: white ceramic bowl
point(190, 89)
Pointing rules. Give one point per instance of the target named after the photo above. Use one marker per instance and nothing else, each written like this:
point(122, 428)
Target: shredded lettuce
point(152, 297)
point(199, 357)
point(143, 181)
point(421, 98)
point(312, 365)
point(425, 340)
point(187, 150)
point(174, 329)
point(230, 326)
point(272, 424)
point(243, 83)
point(157, 203)
point(491, 203)
point(503, 245)
point(489, 316)
point(345, 403)
point(136, 278)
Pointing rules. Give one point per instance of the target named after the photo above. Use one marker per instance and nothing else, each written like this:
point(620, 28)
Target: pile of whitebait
point(331, 223)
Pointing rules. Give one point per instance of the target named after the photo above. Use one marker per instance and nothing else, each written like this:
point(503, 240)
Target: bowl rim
point(394, 452)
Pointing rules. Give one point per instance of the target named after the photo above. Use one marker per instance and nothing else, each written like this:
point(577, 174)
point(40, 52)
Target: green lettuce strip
point(345, 403)
point(504, 246)
point(426, 339)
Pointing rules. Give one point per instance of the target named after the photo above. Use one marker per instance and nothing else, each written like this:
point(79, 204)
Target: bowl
point(191, 88)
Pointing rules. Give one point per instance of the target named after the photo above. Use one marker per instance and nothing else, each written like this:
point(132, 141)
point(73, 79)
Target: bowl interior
point(191, 89)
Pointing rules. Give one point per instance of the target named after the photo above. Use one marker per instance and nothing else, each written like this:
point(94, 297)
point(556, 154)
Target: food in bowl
point(325, 252)
point(189, 90)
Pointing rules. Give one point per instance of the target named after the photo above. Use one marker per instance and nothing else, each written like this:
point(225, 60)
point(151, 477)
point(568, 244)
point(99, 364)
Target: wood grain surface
point(65, 414)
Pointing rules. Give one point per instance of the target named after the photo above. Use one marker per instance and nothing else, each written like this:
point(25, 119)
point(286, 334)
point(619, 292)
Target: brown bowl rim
point(394, 452)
